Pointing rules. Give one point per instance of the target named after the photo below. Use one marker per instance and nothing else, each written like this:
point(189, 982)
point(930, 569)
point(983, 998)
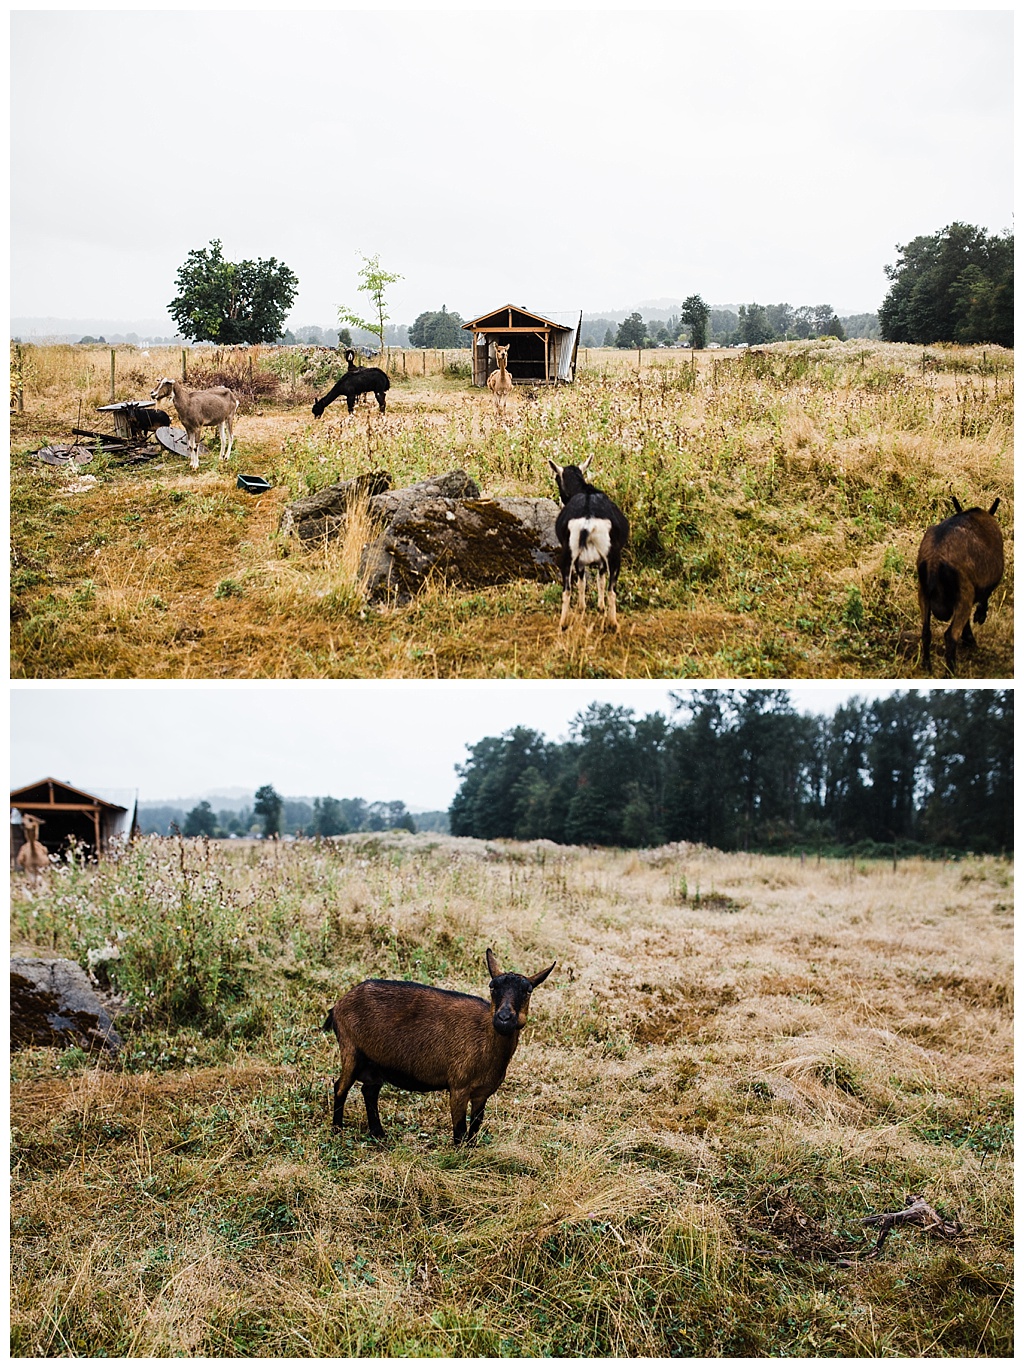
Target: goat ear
point(539, 978)
point(994, 506)
point(556, 468)
point(492, 966)
point(583, 470)
point(956, 503)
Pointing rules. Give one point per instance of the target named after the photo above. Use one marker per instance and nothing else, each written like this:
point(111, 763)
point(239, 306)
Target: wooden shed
point(70, 814)
point(542, 347)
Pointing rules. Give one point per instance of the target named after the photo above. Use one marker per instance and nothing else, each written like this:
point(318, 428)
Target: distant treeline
point(752, 325)
point(742, 769)
point(298, 816)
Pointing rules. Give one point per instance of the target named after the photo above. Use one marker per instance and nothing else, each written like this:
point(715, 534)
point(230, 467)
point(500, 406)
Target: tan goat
point(32, 858)
point(499, 382)
point(201, 408)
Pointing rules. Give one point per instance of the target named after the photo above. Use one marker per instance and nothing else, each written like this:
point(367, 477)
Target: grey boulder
point(53, 1003)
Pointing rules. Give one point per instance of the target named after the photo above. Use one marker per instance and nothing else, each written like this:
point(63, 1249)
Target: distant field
point(736, 1059)
point(776, 499)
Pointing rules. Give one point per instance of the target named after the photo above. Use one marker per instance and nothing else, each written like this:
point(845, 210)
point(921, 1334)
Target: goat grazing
point(591, 530)
point(959, 564)
point(429, 1040)
point(33, 857)
point(499, 382)
point(356, 380)
point(201, 408)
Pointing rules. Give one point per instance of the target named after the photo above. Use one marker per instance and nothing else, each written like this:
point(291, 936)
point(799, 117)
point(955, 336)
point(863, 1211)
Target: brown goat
point(429, 1040)
point(959, 564)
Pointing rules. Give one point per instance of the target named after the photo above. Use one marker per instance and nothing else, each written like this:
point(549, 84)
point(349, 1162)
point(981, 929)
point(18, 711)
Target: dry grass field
point(777, 499)
point(737, 1059)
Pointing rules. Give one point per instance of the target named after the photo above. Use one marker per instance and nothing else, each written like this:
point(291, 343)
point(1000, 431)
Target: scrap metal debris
point(779, 1216)
point(66, 455)
point(917, 1212)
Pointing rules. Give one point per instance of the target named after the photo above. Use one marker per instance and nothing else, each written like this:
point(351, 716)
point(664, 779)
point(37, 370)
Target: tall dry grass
point(776, 501)
point(737, 1059)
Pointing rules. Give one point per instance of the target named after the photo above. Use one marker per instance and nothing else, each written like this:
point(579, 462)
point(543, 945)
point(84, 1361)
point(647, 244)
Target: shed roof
point(45, 792)
point(497, 318)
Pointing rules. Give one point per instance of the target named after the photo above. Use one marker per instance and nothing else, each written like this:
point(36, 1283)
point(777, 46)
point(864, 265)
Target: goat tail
point(328, 1025)
point(584, 534)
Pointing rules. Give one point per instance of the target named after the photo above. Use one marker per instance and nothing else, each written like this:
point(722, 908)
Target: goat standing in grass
point(33, 857)
point(429, 1040)
point(201, 408)
point(356, 380)
point(591, 531)
point(499, 382)
point(959, 564)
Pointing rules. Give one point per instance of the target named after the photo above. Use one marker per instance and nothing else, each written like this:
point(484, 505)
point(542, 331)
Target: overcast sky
point(378, 741)
point(556, 159)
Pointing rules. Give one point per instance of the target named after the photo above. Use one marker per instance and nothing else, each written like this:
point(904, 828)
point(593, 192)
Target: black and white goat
point(591, 531)
point(356, 380)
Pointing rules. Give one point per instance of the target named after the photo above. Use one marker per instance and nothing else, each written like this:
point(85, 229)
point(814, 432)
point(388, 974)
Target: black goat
point(429, 1040)
point(959, 564)
point(591, 530)
point(356, 380)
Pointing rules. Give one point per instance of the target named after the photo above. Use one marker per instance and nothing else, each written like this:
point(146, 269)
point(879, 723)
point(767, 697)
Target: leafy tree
point(201, 821)
point(439, 330)
point(780, 319)
point(754, 327)
point(387, 816)
point(696, 313)
point(374, 281)
point(632, 332)
point(268, 805)
point(826, 322)
point(861, 325)
point(231, 302)
point(609, 338)
point(954, 286)
point(328, 819)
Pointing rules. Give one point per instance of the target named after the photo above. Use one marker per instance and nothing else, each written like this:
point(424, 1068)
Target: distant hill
point(118, 332)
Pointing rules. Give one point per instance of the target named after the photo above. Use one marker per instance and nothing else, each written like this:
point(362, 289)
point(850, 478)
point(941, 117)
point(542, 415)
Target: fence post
point(112, 354)
point(20, 363)
point(184, 366)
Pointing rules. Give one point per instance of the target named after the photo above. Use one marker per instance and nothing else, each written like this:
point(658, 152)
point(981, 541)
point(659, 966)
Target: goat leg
point(371, 1092)
point(476, 1116)
point(459, 1102)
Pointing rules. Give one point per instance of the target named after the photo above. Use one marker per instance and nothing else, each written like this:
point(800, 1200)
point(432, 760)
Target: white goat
point(201, 408)
point(499, 382)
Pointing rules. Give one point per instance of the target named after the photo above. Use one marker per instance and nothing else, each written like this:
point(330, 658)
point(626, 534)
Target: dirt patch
point(780, 1217)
